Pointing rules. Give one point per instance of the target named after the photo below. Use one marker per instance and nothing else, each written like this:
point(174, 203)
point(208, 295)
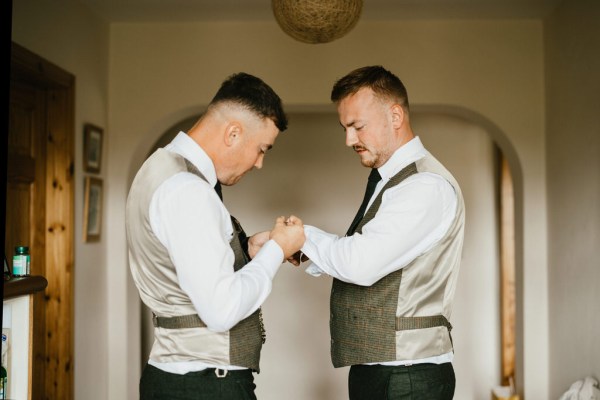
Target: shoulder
point(186, 189)
point(422, 181)
point(422, 190)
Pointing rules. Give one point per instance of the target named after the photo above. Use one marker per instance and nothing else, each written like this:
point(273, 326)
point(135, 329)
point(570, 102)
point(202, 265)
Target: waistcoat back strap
point(406, 323)
point(179, 322)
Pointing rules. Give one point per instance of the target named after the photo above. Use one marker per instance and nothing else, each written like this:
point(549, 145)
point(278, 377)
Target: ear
point(397, 116)
point(233, 133)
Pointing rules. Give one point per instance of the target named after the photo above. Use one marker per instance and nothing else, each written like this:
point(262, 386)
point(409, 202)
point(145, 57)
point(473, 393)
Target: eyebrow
point(352, 123)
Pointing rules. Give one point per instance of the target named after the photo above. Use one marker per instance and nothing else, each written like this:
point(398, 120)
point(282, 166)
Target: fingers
point(293, 220)
point(280, 221)
point(256, 241)
point(259, 238)
point(294, 261)
point(297, 258)
point(288, 221)
point(289, 236)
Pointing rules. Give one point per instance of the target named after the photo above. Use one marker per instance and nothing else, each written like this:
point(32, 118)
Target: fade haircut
point(382, 82)
point(253, 94)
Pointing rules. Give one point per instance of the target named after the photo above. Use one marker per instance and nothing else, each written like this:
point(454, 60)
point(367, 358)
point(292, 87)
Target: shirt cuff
point(270, 256)
point(313, 270)
point(311, 234)
point(310, 249)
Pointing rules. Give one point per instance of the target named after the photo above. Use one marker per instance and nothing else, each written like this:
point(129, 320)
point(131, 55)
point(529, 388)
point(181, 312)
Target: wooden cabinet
point(18, 321)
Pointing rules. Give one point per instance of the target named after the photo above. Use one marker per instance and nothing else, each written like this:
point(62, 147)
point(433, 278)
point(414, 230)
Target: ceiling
point(260, 10)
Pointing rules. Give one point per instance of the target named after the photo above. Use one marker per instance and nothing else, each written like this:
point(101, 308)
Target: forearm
point(355, 259)
point(412, 218)
point(222, 297)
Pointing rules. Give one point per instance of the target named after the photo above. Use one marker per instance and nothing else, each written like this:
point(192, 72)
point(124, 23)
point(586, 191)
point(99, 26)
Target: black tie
point(218, 190)
point(244, 243)
point(374, 177)
point(236, 225)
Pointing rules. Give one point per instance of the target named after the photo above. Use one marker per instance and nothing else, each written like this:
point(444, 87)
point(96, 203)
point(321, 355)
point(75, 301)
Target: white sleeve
point(413, 217)
point(191, 222)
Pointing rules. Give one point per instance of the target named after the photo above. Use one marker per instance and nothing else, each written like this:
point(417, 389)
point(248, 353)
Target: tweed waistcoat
point(156, 279)
point(404, 315)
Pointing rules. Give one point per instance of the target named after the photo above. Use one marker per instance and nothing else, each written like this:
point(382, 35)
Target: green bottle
point(21, 261)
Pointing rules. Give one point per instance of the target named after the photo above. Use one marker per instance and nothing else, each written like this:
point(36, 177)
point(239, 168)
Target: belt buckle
point(220, 373)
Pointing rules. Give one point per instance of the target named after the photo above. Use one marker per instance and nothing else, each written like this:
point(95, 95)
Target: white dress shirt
point(189, 219)
point(413, 217)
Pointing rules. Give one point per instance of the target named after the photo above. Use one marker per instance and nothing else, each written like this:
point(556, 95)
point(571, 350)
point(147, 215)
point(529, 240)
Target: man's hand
point(289, 235)
point(256, 241)
point(298, 258)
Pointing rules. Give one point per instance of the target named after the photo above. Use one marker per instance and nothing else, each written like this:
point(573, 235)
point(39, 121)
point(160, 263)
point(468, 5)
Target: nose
point(351, 137)
point(259, 162)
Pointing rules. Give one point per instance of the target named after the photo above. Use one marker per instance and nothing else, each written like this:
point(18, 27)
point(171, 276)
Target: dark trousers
point(156, 384)
point(415, 382)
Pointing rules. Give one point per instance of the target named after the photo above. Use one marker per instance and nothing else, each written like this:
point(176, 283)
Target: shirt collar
point(406, 154)
point(185, 146)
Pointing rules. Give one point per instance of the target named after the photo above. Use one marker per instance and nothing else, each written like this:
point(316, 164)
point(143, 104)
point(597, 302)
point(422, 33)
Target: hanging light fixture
point(316, 21)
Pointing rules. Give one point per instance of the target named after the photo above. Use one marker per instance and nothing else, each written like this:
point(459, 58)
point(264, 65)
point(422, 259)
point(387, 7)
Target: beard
point(367, 158)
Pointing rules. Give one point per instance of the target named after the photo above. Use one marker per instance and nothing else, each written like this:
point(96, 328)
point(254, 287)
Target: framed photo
point(92, 209)
point(92, 148)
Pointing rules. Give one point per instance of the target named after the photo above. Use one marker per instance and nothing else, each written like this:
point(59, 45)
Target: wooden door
point(26, 197)
point(39, 210)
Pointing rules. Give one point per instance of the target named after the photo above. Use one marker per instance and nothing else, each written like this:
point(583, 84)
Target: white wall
point(70, 36)
point(467, 151)
point(572, 40)
point(162, 73)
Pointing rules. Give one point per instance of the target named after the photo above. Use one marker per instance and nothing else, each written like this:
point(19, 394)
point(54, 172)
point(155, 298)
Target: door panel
point(39, 210)
point(26, 201)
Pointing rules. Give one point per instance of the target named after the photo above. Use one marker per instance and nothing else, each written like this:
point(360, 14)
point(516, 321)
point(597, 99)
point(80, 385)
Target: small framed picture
point(92, 209)
point(92, 148)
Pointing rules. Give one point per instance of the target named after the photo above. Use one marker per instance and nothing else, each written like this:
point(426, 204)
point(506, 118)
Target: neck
point(404, 135)
point(201, 134)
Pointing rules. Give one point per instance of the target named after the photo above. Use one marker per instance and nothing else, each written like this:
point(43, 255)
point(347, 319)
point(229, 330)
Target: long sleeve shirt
point(189, 219)
point(413, 217)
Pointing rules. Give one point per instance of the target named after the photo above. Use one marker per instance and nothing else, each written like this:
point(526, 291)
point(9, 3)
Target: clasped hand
point(288, 233)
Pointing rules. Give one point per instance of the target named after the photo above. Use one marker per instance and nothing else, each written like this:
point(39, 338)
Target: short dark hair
point(252, 93)
point(381, 81)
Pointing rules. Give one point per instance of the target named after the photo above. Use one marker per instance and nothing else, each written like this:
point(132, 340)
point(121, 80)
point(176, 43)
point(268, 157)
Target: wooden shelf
point(19, 286)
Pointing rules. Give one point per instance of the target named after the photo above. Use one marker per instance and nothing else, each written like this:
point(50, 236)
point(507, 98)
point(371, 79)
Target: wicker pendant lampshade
point(317, 21)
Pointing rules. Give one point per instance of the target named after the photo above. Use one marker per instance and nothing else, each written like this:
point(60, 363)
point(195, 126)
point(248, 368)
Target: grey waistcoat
point(156, 279)
point(403, 316)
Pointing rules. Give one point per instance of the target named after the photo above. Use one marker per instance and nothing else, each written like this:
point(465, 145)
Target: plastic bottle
point(21, 261)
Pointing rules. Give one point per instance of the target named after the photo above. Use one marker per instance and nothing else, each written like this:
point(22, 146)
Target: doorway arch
point(293, 173)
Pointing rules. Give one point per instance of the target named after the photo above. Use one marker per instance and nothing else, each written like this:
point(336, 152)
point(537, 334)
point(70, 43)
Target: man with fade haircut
point(191, 261)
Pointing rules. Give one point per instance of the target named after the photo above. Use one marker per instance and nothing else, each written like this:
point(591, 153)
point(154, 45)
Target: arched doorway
point(311, 174)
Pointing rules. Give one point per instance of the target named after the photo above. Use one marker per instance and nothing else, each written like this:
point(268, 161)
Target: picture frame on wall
point(92, 148)
point(92, 209)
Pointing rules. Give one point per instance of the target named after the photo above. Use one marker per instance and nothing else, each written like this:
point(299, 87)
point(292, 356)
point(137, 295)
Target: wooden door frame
point(508, 296)
point(57, 339)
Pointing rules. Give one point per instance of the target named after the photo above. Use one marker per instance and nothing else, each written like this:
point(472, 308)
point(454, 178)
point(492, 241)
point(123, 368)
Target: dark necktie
point(244, 243)
point(236, 225)
point(218, 190)
point(374, 177)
